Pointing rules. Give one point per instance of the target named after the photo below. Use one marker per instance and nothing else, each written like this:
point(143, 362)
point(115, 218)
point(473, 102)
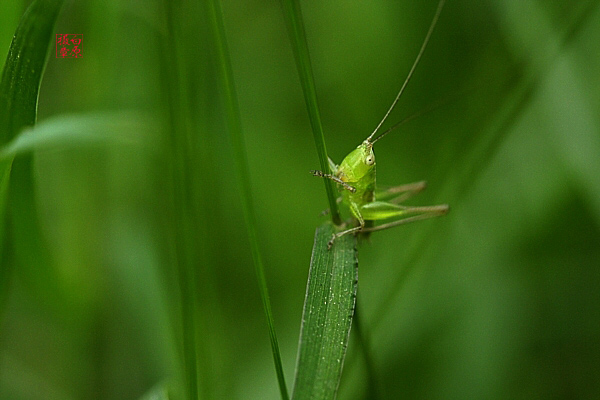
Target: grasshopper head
point(357, 164)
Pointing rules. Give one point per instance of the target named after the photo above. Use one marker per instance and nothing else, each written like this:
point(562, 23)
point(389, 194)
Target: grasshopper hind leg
point(409, 214)
point(401, 193)
point(361, 224)
point(419, 213)
point(342, 233)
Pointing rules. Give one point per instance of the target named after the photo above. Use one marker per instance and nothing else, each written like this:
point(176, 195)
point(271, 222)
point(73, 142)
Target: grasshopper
point(355, 177)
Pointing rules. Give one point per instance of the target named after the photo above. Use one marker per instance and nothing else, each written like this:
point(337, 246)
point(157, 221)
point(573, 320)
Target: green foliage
point(295, 25)
point(98, 129)
point(159, 392)
point(141, 227)
point(19, 91)
point(22, 74)
point(242, 171)
point(327, 315)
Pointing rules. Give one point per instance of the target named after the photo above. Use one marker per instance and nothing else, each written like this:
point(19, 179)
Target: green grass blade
point(327, 317)
point(243, 174)
point(19, 91)
point(5, 261)
point(68, 131)
point(24, 67)
point(295, 25)
point(10, 12)
point(158, 392)
point(184, 252)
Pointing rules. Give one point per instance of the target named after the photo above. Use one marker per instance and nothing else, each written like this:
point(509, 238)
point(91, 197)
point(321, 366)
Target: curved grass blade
point(19, 90)
point(158, 392)
point(24, 67)
point(327, 316)
point(11, 12)
point(68, 131)
point(243, 174)
point(293, 19)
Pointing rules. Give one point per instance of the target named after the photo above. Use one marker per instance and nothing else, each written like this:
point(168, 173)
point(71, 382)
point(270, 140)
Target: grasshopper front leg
point(334, 178)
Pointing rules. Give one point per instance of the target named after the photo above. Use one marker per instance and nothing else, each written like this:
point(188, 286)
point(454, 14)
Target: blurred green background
point(499, 299)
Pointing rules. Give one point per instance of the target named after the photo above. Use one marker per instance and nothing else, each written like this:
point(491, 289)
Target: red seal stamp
point(68, 45)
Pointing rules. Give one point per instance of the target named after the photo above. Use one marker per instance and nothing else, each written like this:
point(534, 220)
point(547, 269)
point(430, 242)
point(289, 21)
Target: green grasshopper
point(356, 178)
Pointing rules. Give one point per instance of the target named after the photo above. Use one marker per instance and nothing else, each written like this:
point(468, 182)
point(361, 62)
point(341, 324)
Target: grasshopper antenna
point(428, 109)
point(412, 69)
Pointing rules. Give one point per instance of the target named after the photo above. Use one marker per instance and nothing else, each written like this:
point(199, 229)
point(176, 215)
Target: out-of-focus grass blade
point(68, 131)
point(158, 392)
point(5, 168)
point(327, 316)
point(19, 90)
point(234, 122)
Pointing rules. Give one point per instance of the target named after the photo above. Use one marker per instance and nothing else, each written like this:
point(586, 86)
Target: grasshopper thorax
point(359, 163)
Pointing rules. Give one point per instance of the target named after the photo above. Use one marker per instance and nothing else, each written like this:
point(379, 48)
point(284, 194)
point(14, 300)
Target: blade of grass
point(24, 67)
point(68, 131)
point(243, 174)
point(5, 257)
point(295, 25)
point(158, 392)
point(333, 276)
point(10, 12)
point(181, 176)
point(327, 316)
point(19, 91)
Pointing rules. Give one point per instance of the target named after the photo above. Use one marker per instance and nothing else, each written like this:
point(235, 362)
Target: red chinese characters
point(68, 45)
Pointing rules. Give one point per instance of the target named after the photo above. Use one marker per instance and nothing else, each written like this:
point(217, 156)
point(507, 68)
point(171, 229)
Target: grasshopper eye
point(370, 160)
